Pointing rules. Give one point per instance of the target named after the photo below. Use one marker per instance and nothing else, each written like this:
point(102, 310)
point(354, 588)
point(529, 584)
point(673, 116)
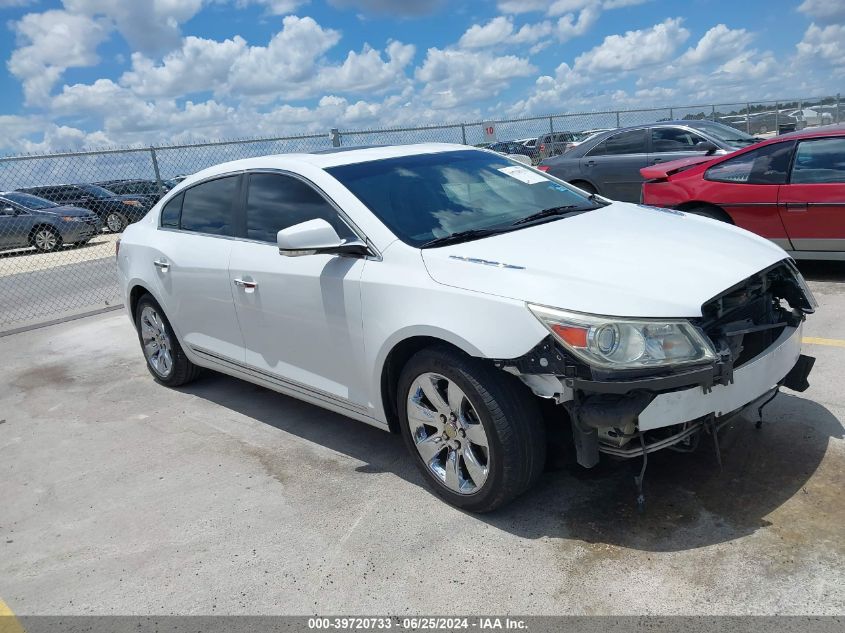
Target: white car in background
point(446, 293)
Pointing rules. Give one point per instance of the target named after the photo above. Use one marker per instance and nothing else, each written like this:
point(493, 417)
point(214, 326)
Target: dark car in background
point(609, 163)
point(554, 143)
point(27, 220)
point(149, 189)
point(115, 211)
point(514, 147)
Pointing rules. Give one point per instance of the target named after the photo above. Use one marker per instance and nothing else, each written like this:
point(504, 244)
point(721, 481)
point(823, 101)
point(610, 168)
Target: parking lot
point(124, 497)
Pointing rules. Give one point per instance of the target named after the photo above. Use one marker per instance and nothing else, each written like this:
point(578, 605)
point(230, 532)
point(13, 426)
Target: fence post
point(464, 133)
point(777, 118)
point(748, 118)
point(837, 107)
point(617, 119)
point(334, 135)
point(713, 113)
point(671, 114)
point(551, 124)
point(155, 169)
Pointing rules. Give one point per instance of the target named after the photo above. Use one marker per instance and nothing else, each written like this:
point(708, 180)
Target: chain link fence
point(60, 214)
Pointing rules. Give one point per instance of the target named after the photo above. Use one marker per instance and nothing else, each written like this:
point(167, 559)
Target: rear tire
point(166, 360)
point(475, 433)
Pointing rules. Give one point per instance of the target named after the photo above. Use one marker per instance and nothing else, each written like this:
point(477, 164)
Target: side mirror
point(316, 237)
point(706, 146)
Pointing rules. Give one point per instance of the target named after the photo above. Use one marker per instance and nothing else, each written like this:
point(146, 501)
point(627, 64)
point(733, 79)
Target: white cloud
point(718, 43)
point(199, 65)
point(456, 77)
point(274, 7)
point(522, 6)
point(635, 49)
point(569, 26)
point(390, 7)
point(824, 11)
point(494, 32)
point(52, 42)
point(826, 44)
point(152, 26)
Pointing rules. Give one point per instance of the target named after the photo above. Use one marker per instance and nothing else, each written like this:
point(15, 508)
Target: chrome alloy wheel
point(448, 433)
point(45, 240)
point(114, 222)
point(156, 341)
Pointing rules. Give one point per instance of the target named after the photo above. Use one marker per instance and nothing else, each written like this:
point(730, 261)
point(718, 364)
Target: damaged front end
point(752, 332)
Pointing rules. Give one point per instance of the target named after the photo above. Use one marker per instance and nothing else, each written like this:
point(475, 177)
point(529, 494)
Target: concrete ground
point(37, 287)
point(124, 497)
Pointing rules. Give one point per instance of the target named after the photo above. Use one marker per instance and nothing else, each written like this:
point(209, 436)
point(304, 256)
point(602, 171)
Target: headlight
point(72, 218)
point(618, 343)
point(131, 203)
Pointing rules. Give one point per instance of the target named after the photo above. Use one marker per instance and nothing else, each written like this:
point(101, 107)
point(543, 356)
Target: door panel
point(191, 266)
point(302, 319)
point(14, 229)
point(193, 282)
point(812, 204)
point(300, 316)
point(614, 165)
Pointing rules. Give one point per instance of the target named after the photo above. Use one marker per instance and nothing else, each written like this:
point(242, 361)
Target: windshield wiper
point(462, 236)
point(548, 213)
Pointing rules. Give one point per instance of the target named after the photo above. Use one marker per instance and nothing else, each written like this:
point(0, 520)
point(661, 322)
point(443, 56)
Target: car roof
point(328, 159)
point(837, 129)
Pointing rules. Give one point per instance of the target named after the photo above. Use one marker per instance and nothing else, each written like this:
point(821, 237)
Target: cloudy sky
point(90, 73)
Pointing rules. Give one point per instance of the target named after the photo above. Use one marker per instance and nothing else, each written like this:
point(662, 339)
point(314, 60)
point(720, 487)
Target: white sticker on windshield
point(525, 175)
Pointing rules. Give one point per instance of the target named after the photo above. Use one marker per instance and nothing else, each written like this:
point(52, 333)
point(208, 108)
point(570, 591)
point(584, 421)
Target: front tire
point(116, 222)
point(165, 358)
point(46, 239)
point(475, 433)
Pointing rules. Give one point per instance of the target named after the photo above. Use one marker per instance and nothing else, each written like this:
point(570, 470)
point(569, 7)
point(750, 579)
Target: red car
point(789, 189)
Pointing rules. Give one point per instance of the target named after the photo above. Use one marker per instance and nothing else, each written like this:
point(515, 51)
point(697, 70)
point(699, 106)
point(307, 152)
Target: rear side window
point(630, 142)
point(207, 207)
point(673, 139)
point(767, 165)
point(171, 212)
point(819, 161)
point(275, 202)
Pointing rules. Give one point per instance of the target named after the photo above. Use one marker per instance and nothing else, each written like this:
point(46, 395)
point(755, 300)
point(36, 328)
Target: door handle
point(796, 207)
point(162, 264)
point(246, 285)
point(590, 163)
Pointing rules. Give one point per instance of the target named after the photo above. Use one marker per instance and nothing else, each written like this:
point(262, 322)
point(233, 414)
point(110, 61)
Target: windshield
point(726, 134)
point(429, 196)
point(28, 200)
point(96, 191)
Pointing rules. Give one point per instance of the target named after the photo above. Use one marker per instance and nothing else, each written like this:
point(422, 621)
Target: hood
point(620, 260)
point(664, 170)
point(68, 210)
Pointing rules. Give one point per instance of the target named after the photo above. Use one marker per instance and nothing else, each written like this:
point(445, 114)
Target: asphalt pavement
point(121, 496)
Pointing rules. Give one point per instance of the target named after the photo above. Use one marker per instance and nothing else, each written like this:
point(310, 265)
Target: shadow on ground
point(691, 502)
point(823, 270)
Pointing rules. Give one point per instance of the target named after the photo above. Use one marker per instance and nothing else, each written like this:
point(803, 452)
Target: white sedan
point(446, 293)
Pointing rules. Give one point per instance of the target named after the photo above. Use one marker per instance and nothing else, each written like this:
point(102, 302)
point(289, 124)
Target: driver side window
point(276, 202)
point(673, 139)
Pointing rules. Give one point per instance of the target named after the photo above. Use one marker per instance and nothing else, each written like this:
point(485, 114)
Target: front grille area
point(747, 319)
